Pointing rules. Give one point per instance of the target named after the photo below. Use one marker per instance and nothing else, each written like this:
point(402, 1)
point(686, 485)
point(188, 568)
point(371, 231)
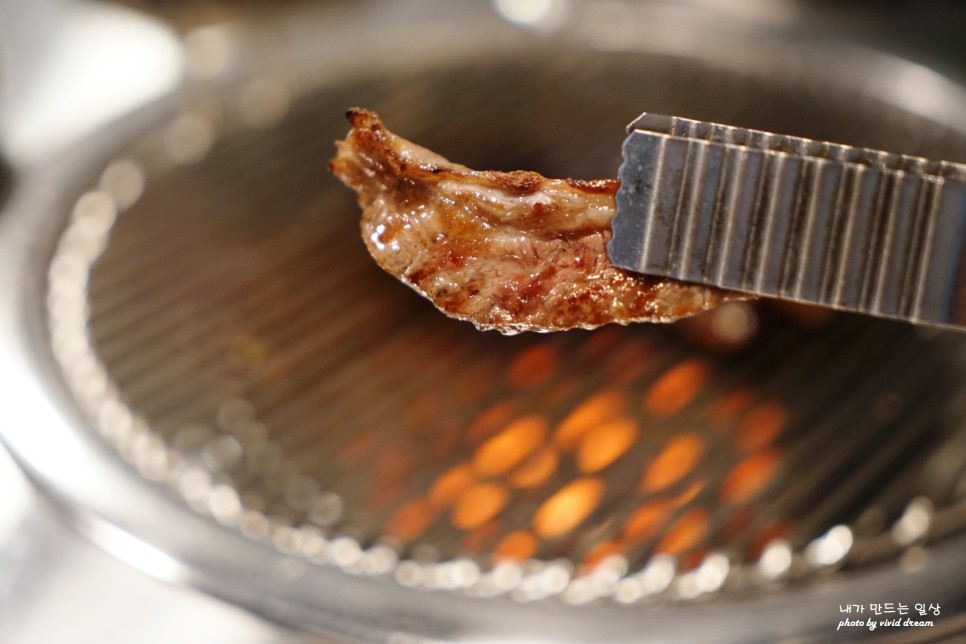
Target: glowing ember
point(568, 507)
point(677, 458)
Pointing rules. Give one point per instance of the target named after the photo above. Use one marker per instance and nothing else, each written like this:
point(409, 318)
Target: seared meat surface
point(511, 251)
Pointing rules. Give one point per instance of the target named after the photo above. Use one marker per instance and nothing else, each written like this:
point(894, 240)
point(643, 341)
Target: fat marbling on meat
point(511, 251)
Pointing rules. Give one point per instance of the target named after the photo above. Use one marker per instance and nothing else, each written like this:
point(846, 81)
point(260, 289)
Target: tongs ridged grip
point(788, 217)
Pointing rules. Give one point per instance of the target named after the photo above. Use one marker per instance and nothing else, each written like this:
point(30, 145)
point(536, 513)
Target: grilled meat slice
point(511, 251)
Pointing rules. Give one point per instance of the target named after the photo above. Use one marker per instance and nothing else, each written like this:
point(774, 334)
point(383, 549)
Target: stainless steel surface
point(242, 404)
point(58, 81)
point(59, 586)
point(781, 216)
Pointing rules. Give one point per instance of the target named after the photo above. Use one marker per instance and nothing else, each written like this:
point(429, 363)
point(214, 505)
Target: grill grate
point(252, 356)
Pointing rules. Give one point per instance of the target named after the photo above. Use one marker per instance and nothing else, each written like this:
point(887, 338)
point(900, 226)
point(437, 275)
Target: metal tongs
point(786, 217)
